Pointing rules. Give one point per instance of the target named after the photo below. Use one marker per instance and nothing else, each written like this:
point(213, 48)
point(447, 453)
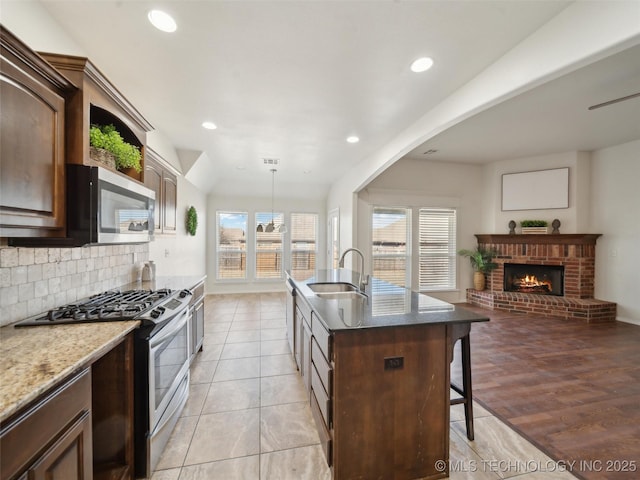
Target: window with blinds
point(437, 251)
point(231, 245)
point(304, 245)
point(269, 247)
point(391, 250)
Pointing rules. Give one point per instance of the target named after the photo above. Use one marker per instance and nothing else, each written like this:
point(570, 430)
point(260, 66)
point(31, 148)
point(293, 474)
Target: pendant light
point(270, 227)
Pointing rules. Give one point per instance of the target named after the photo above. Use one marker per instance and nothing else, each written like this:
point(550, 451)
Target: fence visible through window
point(231, 245)
point(390, 250)
point(304, 245)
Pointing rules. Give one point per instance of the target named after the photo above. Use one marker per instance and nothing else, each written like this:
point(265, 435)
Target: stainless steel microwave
point(105, 207)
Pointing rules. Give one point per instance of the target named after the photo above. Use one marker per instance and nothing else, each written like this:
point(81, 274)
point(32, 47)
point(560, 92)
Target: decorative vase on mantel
point(479, 280)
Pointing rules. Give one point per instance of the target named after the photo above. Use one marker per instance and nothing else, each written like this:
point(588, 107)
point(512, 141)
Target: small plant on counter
point(192, 220)
point(108, 138)
point(533, 223)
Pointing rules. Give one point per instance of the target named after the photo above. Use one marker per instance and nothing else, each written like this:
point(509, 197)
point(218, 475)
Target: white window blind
point(391, 252)
point(437, 266)
point(231, 245)
point(269, 247)
point(304, 245)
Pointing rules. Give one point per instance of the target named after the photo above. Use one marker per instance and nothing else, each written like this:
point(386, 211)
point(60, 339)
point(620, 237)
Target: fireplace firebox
point(540, 279)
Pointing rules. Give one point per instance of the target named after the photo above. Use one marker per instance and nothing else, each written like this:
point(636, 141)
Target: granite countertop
point(34, 359)
point(174, 282)
point(385, 305)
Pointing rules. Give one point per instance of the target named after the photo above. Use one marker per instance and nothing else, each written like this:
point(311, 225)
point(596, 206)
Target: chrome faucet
point(363, 279)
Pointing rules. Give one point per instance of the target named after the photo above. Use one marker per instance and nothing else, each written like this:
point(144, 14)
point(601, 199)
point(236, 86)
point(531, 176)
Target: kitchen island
point(377, 369)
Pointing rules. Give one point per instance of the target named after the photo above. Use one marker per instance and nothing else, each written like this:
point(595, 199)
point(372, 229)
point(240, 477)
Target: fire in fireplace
point(541, 279)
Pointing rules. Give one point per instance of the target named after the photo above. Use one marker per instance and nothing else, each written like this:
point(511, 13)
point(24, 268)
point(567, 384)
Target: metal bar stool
point(466, 397)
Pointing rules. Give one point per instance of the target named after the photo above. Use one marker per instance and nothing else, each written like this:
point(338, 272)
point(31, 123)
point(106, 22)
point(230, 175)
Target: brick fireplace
point(576, 253)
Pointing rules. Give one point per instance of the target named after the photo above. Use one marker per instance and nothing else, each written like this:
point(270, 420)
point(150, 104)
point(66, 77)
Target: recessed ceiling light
point(421, 65)
point(162, 21)
point(353, 139)
point(209, 125)
point(306, 171)
point(240, 167)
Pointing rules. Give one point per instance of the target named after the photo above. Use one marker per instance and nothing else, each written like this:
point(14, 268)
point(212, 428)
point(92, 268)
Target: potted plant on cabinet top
point(482, 263)
point(106, 137)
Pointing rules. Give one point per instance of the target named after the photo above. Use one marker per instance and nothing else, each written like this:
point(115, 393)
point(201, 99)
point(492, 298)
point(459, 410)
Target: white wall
point(159, 142)
point(615, 207)
point(582, 33)
point(32, 24)
point(180, 253)
point(574, 219)
point(251, 205)
point(419, 183)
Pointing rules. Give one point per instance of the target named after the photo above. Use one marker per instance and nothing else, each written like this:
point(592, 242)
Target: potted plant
point(534, 226)
point(106, 137)
point(481, 262)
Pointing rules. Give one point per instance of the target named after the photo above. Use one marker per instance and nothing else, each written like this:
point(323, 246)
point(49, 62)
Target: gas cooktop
point(150, 306)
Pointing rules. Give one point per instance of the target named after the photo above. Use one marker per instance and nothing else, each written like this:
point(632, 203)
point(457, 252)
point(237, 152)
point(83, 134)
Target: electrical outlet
point(166, 252)
point(393, 363)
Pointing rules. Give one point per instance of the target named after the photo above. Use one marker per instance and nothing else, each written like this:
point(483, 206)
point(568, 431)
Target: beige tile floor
point(247, 418)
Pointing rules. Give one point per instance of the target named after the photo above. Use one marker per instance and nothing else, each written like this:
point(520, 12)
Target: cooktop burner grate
point(110, 305)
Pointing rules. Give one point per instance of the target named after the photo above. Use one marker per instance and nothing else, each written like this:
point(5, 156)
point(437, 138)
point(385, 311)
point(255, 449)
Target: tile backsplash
point(34, 280)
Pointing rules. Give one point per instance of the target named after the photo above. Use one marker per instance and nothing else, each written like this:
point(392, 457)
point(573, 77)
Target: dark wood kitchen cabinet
point(32, 142)
point(81, 429)
point(196, 316)
point(160, 178)
point(52, 439)
point(369, 408)
point(96, 101)
point(398, 411)
point(303, 341)
point(112, 405)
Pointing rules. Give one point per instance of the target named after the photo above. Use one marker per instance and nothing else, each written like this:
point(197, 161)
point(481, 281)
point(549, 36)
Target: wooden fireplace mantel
point(555, 239)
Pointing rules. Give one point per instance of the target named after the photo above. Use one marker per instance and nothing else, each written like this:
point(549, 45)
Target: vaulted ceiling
point(292, 80)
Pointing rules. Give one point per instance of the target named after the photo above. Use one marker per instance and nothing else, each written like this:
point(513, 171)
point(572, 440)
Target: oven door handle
point(170, 329)
point(181, 395)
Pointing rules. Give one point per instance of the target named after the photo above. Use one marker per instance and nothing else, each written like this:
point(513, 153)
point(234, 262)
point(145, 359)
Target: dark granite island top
point(385, 305)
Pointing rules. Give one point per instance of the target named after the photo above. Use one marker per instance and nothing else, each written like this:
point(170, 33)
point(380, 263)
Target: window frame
point(293, 251)
point(408, 255)
point(279, 216)
point(451, 256)
point(218, 250)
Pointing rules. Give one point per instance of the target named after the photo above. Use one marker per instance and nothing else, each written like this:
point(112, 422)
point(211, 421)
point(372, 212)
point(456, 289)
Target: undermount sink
point(323, 288)
point(353, 295)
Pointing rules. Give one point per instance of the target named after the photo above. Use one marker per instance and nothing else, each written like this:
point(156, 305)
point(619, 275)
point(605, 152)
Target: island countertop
point(385, 305)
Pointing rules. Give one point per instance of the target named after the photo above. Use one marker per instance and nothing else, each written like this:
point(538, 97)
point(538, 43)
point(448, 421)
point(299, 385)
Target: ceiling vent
point(271, 161)
point(431, 151)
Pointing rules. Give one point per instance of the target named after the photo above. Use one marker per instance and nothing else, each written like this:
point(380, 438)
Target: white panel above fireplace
point(536, 190)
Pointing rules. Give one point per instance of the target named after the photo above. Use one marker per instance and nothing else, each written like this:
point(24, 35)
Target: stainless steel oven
point(162, 358)
point(168, 381)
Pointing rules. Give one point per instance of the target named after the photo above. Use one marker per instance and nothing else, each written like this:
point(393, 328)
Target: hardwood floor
point(571, 388)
